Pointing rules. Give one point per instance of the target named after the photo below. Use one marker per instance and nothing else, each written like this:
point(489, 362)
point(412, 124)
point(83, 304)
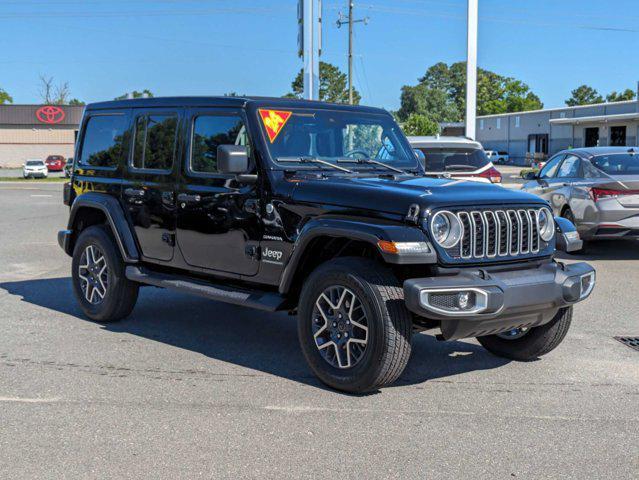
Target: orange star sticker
point(274, 121)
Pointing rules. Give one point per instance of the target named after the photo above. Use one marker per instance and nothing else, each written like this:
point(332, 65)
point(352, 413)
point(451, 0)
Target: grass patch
point(33, 180)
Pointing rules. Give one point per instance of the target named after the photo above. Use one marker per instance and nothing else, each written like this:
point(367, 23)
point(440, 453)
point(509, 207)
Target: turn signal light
point(399, 248)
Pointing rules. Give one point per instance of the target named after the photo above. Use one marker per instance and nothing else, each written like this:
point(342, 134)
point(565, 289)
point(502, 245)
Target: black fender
point(356, 229)
point(567, 236)
point(115, 217)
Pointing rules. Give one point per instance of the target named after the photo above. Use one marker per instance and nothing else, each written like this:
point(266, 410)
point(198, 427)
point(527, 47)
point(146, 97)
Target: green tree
point(5, 97)
point(627, 94)
point(75, 101)
point(333, 85)
point(418, 124)
point(584, 95)
point(135, 94)
point(433, 103)
point(495, 93)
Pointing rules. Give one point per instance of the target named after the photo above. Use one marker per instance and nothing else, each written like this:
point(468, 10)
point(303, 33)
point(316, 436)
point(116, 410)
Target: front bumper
point(499, 300)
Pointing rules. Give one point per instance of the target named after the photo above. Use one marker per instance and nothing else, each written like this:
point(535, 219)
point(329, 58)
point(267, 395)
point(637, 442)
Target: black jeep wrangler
point(321, 210)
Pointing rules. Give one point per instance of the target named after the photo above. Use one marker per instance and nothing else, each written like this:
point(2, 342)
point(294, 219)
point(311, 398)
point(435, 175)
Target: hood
point(395, 195)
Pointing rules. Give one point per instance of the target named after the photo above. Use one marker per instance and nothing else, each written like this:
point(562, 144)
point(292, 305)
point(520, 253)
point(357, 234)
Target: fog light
point(587, 284)
point(463, 300)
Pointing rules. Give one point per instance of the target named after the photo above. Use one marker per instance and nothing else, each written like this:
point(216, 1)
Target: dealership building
point(37, 131)
point(542, 133)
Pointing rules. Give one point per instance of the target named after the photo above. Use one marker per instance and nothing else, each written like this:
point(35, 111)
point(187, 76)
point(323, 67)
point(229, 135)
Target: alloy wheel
point(93, 273)
point(513, 334)
point(340, 327)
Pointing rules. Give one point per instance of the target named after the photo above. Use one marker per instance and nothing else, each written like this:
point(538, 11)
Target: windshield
point(453, 159)
point(617, 163)
point(35, 163)
point(335, 136)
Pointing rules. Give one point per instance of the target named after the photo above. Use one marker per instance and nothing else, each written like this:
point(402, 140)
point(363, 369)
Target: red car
point(55, 163)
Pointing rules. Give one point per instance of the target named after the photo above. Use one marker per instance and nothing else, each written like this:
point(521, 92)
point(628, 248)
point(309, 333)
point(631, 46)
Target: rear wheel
point(99, 283)
point(530, 344)
point(568, 215)
point(353, 326)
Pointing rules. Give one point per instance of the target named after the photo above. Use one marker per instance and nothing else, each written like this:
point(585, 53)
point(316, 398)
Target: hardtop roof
point(594, 151)
point(223, 101)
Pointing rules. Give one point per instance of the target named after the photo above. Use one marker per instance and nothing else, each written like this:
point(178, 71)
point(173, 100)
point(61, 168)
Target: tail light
point(602, 193)
point(491, 174)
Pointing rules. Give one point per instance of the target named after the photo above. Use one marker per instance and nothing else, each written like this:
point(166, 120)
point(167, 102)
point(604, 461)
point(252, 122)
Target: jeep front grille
point(490, 234)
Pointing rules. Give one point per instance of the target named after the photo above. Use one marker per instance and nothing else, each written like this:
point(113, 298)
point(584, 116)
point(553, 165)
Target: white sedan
point(35, 169)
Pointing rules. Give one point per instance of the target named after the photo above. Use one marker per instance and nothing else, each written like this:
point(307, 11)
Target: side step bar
point(268, 301)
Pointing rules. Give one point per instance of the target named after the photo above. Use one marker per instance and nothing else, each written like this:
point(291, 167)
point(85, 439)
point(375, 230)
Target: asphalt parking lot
point(189, 388)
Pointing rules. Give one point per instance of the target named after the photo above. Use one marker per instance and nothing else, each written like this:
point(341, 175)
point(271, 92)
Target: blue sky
point(104, 48)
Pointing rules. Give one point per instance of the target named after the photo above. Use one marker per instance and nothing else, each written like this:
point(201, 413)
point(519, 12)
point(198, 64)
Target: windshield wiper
point(370, 161)
point(313, 160)
point(459, 167)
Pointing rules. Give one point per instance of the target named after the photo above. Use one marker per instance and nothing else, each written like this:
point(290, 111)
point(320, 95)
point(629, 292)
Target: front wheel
point(99, 283)
point(529, 344)
point(353, 326)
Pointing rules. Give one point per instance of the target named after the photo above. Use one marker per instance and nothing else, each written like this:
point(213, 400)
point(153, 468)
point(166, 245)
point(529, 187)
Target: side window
point(103, 141)
point(551, 167)
point(590, 171)
point(570, 167)
point(154, 144)
point(210, 131)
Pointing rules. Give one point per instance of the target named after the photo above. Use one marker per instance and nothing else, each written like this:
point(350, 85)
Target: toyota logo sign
point(50, 114)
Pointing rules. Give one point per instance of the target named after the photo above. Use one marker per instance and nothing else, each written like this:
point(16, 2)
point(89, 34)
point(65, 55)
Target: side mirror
point(420, 155)
point(232, 159)
point(532, 175)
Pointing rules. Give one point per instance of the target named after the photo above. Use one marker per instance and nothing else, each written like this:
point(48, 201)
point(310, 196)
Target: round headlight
point(446, 229)
point(545, 224)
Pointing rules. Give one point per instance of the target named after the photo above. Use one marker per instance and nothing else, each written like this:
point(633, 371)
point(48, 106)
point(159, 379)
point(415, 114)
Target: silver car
point(595, 188)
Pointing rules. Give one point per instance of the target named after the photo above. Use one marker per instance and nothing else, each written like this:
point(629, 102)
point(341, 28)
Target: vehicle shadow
point(265, 342)
point(605, 250)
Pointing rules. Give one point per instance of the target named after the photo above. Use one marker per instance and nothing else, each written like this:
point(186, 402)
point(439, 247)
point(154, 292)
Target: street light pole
point(471, 70)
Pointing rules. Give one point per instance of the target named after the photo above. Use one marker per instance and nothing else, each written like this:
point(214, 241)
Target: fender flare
point(116, 219)
point(356, 229)
point(567, 236)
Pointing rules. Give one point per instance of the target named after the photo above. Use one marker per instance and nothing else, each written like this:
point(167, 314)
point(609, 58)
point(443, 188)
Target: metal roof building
point(541, 133)
point(37, 131)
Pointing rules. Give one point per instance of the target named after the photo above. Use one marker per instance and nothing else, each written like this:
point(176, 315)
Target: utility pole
point(341, 21)
point(471, 70)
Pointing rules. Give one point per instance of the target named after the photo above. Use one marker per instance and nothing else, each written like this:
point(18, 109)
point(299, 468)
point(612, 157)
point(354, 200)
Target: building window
point(498, 123)
point(617, 136)
point(562, 115)
point(517, 122)
point(481, 124)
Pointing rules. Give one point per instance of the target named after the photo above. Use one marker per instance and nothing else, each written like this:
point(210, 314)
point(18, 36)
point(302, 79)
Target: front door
point(217, 221)
point(542, 185)
point(149, 192)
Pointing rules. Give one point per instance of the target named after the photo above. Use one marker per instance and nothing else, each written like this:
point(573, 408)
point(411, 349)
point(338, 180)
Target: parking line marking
point(29, 400)
point(40, 195)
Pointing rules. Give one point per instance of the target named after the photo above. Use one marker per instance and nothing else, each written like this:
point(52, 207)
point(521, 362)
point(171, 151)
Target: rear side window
point(103, 140)
point(209, 132)
point(154, 144)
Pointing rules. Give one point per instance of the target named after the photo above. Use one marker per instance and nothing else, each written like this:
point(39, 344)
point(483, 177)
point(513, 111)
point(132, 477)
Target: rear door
point(149, 192)
point(218, 227)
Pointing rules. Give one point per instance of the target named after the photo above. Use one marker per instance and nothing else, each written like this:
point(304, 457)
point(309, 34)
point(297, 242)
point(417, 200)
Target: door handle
point(186, 197)
point(134, 192)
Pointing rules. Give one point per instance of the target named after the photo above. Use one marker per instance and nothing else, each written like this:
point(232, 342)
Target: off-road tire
point(121, 293)
point(537, 342)
point(389, 324)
